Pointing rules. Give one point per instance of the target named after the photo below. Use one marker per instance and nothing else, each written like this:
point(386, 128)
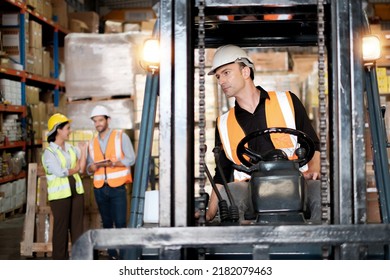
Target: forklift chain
point(325, 194)
point(202, 111)
point(322, 114)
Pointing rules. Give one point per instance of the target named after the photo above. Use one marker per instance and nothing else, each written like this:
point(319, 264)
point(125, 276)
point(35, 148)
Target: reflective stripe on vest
point(281, 114)
point(115, 176)
point(58, 187)
point(231, 132)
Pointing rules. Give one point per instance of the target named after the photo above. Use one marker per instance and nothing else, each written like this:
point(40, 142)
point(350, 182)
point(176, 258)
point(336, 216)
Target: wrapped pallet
point(101, 65)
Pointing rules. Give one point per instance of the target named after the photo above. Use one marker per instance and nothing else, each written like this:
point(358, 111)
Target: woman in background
point(62, 163)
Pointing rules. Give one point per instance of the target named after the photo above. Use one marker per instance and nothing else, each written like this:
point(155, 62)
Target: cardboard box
point(32, 95)
point(10, 19)
point(111, 26)
point(382, 11)
point(60, 12)
point(78, 26)
point(11, 42)
point(270, 61)
point(384, 35)
point(91, 19)
point(100, 65)
point(36, 55)
point(32, 4)
point(381, 74)
point(35, 34)
point(47, 9)
point(135, 15)
point(384, 60)
point(46, 64)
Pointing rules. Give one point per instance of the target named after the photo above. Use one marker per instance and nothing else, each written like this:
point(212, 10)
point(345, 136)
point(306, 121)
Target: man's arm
point(213, 204)
point(128, 151)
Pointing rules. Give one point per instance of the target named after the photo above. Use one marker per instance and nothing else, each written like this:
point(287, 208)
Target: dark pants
point(68, 216)
point(112, 204)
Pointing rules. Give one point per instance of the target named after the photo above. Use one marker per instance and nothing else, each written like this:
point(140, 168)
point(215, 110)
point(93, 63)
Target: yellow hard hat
point(55, 120)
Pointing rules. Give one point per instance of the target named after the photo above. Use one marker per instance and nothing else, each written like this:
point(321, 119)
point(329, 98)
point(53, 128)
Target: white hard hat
point(228, 54)
point(99, 110)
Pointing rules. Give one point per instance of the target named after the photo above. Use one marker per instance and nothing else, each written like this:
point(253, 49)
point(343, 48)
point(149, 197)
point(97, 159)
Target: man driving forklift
point(256, 109)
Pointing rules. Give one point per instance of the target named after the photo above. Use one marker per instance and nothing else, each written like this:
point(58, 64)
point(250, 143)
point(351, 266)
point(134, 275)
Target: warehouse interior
point(67, 56)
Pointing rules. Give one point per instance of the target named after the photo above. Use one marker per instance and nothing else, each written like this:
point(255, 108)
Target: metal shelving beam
point(119, 4)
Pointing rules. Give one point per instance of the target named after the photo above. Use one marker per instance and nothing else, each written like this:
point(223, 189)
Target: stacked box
point(32, 95)
point(121, 111)
point(32, 4)
point(11, 127)
point(140, 80)
point(12, 91)
point(90, 18)
point(270, 61)
point(382, 78)
point(13, 195)
point(10, 26)
point(46, 64)
point(35, 51)
point(39, 118)
point(111, 26)
point(78, 26)
point(60, 12)
point(101, 65)
point(11, 19)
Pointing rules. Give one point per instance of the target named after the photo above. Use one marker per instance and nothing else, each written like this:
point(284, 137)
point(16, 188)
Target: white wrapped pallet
point(101, 65)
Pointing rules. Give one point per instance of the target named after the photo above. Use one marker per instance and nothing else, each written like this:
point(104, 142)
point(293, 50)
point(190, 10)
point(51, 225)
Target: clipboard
point(102, 161)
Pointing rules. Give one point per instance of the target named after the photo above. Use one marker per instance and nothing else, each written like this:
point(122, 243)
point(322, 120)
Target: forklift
point(336, 29)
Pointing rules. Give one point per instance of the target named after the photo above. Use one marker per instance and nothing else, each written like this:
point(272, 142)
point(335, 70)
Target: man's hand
point(311, 175)
point(95, 166)
point(106, 163)
point(314, 168)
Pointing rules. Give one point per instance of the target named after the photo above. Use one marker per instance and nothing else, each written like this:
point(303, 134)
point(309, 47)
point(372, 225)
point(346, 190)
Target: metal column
point(177, 116)
point(340, 133)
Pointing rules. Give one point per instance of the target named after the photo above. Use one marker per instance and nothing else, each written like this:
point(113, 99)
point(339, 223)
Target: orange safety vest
point(115, 176)
point(279, 112)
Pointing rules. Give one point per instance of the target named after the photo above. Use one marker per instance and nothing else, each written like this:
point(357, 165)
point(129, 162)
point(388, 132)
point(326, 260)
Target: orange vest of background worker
point(279, 112)
point(110, 156)
point(115, 176)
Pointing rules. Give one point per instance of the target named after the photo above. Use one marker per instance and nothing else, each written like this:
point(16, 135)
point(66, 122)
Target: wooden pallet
point(38, 223)
point(12, 212)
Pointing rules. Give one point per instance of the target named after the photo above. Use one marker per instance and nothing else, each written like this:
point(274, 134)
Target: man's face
point(230, 79)
point(101, 123)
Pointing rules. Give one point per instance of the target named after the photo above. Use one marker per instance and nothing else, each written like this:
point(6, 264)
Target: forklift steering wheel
point(305, 152)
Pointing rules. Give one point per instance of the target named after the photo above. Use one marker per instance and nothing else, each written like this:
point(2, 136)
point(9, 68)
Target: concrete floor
point(11, 230)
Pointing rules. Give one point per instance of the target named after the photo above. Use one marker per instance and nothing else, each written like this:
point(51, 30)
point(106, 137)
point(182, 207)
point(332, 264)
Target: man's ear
point(246, 72)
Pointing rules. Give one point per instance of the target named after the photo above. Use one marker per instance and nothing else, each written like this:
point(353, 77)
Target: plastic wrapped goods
point(121, 113)
point(100, 65)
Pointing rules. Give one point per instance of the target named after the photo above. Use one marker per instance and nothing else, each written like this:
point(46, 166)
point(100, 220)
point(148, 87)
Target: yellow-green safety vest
point(58, 187)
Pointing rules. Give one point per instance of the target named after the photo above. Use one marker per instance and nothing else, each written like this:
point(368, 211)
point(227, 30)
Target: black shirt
point(251, 122)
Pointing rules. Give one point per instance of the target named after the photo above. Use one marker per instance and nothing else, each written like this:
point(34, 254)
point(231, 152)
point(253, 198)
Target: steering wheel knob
point(301, 153)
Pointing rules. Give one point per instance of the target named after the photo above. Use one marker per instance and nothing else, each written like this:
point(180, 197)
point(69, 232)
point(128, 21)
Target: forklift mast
point(352, 91)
